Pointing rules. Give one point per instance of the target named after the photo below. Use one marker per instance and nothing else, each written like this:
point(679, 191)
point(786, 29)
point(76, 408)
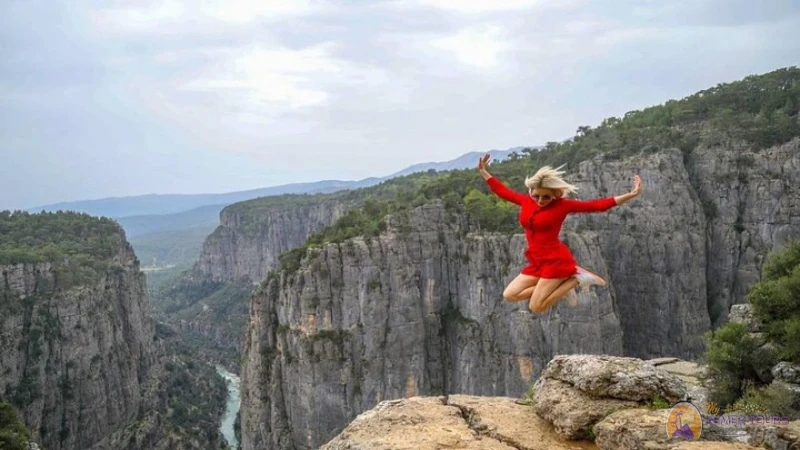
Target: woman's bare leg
point(559, 293)
point(549, 291)
point(520, 288)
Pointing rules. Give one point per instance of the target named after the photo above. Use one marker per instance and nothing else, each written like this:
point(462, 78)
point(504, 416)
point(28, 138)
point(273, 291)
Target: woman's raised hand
point(483, 162)
point(637, 185)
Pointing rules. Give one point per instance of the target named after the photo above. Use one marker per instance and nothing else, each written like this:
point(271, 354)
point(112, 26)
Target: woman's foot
point(588, 278)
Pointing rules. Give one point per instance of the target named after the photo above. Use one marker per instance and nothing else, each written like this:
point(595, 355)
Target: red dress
point(547, 256)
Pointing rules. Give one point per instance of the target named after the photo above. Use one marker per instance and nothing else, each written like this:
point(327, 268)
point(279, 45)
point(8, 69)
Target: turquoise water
point(231, 408)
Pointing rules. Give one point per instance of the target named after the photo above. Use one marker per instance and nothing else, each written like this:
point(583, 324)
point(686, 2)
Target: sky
point(127, 97)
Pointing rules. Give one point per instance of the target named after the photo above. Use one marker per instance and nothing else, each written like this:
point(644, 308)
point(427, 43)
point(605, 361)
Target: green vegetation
point(182, 292)
point(528, 399)
point(80, 246)
point(159, 280)
point(195, 394)
point(760, 111)
point(194, 297)
point(657, 403)
point(740, 362)
point(14, 435)
point(171, 248)
point(187, 404)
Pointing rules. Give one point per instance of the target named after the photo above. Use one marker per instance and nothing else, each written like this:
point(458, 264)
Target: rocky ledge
point(578, 402)
point(457, 421)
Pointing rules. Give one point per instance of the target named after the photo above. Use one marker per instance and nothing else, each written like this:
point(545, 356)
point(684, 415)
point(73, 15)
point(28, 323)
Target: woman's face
point(543, 196)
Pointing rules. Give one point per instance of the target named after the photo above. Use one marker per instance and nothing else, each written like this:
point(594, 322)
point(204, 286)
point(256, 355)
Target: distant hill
point(157, 204)
point(204, 217)
point(160, 204)
point(169, 230)
point(171, 248)
point(462, 162)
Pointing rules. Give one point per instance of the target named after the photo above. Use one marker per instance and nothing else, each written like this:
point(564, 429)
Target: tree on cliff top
point(741, 361)
point(79, 246)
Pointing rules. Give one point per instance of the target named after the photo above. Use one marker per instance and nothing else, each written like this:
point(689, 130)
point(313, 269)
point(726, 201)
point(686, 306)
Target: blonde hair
point(550, 178)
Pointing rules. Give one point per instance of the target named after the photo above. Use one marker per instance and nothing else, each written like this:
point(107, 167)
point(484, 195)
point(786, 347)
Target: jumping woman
point(551, 273)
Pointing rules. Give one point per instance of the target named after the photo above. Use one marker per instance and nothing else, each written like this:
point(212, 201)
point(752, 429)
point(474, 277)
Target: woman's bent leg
point(560, 292)
point(520, 288)
point(544, 289)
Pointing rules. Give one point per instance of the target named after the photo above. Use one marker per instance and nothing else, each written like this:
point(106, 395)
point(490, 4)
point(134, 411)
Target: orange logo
point(684, 421)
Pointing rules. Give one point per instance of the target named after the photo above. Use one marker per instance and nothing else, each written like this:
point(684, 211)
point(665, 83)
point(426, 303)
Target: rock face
point(247, 242)
point(405, 314)
point(209, 304)
point(73, 361)
point(418, 310)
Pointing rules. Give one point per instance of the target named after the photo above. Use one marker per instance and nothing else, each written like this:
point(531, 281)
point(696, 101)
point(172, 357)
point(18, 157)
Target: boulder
point(576, 391)
point(743, 313)
point(616, 377)
point(786, 372)
point(571, 411)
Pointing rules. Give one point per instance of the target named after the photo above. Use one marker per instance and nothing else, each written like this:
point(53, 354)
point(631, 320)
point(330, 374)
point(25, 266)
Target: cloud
point(338, 89)
point(271, 75)
point(170, 17)
point(478, 47)
point(467, 7)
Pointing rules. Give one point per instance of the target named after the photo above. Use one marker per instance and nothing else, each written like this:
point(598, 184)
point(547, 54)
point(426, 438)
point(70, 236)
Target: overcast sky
point(127, 97)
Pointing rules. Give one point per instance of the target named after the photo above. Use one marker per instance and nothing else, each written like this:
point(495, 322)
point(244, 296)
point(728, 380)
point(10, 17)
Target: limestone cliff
point(418, 310)
point(411, 312)
point(74, 360)
point(249, 239)
point(209, 303)
point(82, 364)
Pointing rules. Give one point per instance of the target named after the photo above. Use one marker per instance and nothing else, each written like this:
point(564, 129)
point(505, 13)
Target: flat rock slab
point(460, 422)
point(424, 423)
point(615, 377)
point(508, 421)
point(684, 368)
point(660, 361)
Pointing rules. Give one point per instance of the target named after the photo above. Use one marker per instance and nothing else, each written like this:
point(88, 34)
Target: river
point(231, 408)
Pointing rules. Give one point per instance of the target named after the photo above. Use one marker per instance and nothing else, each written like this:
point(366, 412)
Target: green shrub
point(776, 301)
point(740, 362)
point(735, 359)
point(770, 400)
point(783, 263)
point(13, 433)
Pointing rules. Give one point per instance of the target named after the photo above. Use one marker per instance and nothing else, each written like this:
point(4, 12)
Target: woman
point(551, 273)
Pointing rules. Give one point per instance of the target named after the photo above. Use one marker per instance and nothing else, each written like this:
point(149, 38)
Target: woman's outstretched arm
point(497, 186)
point(637, 189)
point(604, 204)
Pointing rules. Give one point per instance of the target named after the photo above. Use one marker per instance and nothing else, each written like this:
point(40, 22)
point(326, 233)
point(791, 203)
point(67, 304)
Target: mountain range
point(137, 211)
point(169, 229)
